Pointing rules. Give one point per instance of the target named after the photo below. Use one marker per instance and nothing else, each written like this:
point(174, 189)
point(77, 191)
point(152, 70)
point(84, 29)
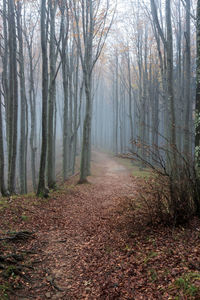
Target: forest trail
point(74, 234)
point(73, 248)
point(94, 242)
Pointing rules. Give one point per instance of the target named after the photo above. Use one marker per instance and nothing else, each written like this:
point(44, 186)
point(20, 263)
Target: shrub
point(172, 195)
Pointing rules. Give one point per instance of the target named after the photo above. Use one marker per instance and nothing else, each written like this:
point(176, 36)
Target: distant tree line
point(48, 53)
point(69, 82)
point(152, 96)
point(151, 89)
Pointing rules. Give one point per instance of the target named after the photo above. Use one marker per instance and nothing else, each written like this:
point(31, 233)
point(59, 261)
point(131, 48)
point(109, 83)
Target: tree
point(93, 20)
point(116, 102)
point(168, 46)
point(42, 189)
point(188, 106)
point(13, 97)
point(64, 33)
point(52, 96)
point(2, 168)
point(23, 106)
point(29, 38)
point(197, 121)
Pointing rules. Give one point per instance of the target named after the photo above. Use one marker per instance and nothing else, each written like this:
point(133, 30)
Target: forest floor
point(94, 241)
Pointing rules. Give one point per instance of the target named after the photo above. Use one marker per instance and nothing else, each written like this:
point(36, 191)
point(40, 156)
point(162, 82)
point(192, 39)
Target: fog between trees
point(83, 74)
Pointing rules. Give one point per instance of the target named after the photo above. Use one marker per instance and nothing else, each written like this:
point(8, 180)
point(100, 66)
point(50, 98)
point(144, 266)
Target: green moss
point(24, 218)
point(188, 284)
point(134, 168)
point(153, 275)
point(10, 271)
point(143, 174)
point(71, 187)
point(3, 203)
point(29, 196)
point(150, 255)
point(128, 248)
point(4, 288)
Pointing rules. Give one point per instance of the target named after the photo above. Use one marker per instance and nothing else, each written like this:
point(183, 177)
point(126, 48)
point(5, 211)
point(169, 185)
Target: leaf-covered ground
point(88, 242)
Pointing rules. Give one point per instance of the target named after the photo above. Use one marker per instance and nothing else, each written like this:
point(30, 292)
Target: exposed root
point(18, 236)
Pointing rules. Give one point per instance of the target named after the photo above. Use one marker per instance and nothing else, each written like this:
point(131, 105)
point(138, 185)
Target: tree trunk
point(130, 100)
point(65, 82)
point(52, 98)
point(2, 179)
point(86, 144)
point(170, 88)
point(197, 121)
point(32, 101)
point(22, 152)
point(188, 106)
point(42, 190)
point(5, 79)
point(116, 100)
point(13, 98)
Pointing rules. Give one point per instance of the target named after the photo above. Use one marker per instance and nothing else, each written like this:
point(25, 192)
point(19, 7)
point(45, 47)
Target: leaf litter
point(89, 243)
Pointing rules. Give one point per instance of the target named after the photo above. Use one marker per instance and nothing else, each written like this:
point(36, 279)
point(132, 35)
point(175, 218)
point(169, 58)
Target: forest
point(100, 149)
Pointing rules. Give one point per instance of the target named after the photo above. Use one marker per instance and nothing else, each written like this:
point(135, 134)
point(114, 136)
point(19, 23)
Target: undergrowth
point(172, 194)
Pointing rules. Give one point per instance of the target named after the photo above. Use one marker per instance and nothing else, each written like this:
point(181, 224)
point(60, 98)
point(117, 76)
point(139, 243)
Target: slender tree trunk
point(13, 98)
point(32, 101)
point(65, 83)
point(2, 179)
point(54, 141)
point(116, 103)
point(71, 100)
point(179, 74)
point(130, 100)
point(22, 152)
point(197, 121)
point(5, 79)
point(76, 123)
point(52, 98)
point(170, 88)
point(187, 138)
point(65, 124)
point(86, 146)
point(42, 190)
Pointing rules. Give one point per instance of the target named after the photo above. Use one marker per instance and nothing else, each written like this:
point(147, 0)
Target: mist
point(68, 86)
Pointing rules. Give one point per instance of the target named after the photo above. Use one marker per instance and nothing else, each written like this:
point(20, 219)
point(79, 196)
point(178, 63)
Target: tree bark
point(23, 150)
point(188, 106)
point(2, 179)
point(42, 189)
point(13, 98)
point(52, 98)
point(197, 121)
point(170, 88)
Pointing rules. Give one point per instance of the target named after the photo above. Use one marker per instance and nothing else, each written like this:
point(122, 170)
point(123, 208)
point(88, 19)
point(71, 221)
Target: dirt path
point(89, 244)
point(77, 236)
point(85, 220)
